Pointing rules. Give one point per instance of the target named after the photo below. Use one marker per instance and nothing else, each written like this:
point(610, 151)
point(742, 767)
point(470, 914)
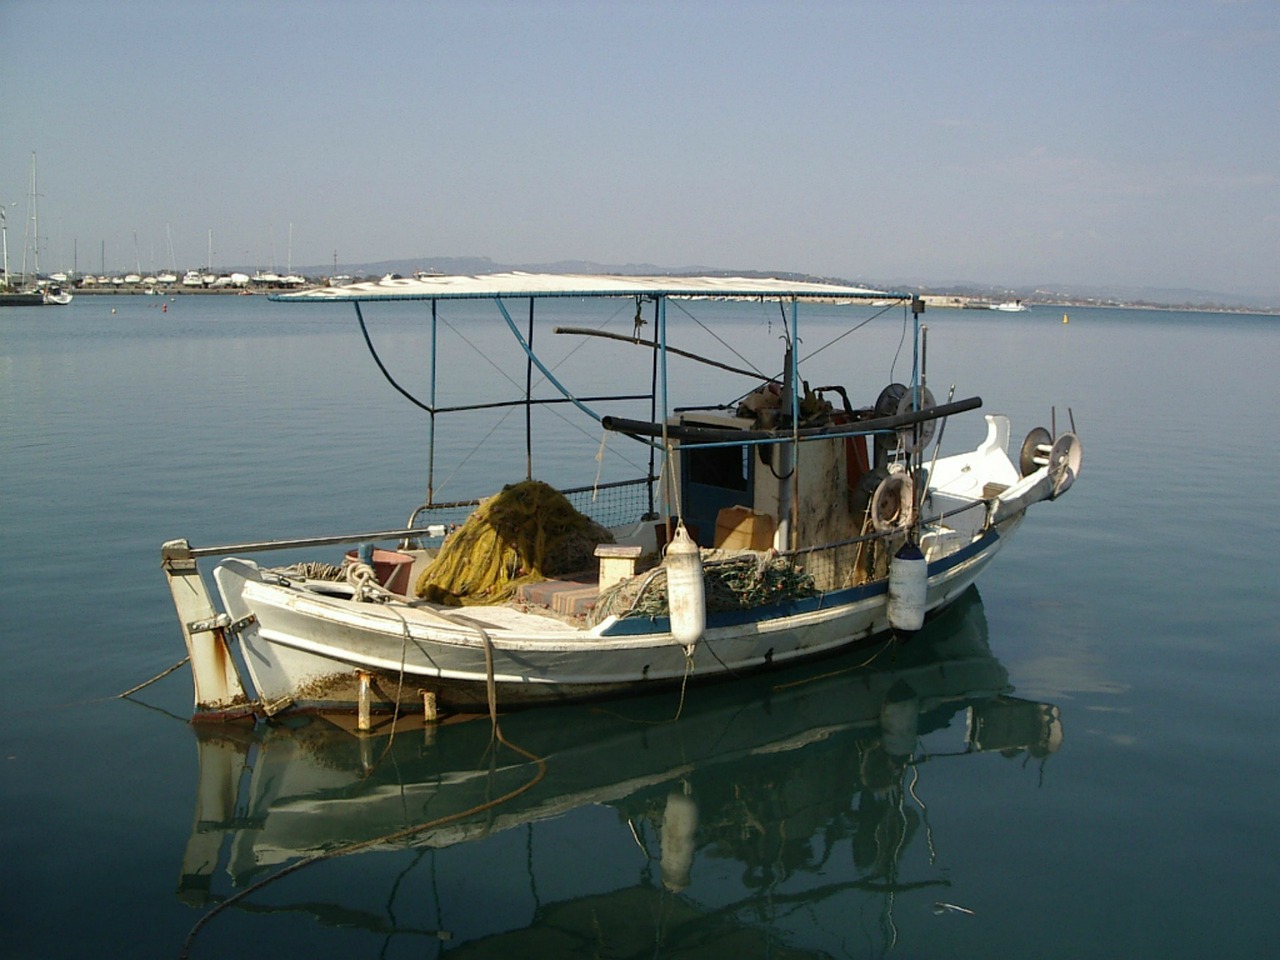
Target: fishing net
point(739, 582)
point(528, 532)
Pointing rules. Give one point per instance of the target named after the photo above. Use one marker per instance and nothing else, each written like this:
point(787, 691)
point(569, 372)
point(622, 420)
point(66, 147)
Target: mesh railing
point(615, 504)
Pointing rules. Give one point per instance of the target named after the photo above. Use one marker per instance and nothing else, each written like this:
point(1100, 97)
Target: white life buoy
point(893, 504)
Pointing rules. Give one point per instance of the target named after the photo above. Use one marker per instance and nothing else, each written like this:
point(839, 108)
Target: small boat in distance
point(779, 523)
point(54, 295)
point(1010, 306)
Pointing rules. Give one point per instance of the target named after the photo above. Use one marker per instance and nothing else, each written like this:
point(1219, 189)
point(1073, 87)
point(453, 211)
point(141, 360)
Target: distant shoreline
point(933, 301)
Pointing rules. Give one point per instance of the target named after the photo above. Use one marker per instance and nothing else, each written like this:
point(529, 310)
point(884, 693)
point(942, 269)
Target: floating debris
point(940, 908)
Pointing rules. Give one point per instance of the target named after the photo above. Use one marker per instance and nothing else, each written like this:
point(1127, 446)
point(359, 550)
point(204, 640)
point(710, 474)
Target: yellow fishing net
point(528, 532)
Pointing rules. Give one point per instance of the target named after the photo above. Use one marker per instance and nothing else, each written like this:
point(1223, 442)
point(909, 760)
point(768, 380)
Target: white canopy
point(581, 285)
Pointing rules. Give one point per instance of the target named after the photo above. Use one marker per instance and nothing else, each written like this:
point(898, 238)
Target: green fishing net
point(738, 582)
point(526, 533)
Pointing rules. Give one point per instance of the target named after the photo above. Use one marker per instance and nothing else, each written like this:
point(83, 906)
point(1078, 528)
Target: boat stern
point(219, 692)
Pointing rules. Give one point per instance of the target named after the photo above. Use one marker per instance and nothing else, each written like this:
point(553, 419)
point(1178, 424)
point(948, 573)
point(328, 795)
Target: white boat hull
point(306, 648)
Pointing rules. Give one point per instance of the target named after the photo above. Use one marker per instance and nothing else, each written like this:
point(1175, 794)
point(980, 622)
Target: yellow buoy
point(1064, 318)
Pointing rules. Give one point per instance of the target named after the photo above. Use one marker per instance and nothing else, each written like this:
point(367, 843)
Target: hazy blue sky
point(1110, 143)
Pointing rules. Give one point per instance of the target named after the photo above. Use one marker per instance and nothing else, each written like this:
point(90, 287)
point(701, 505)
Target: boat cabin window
point(714, 478)
point(726, 467)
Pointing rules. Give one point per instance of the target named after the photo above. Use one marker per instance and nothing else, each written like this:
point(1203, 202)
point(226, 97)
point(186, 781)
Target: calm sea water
point(919, 805)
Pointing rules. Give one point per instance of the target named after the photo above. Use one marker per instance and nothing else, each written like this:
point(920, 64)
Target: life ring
point(893, 504)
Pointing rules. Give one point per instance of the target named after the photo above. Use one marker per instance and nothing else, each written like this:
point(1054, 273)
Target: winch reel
point(1063, 456)
point(897, 399)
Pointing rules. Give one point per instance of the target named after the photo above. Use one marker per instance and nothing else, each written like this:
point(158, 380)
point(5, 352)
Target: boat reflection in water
point(754, 784)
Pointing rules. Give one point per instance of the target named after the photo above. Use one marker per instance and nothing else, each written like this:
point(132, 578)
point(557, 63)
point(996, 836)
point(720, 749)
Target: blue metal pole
point(551, 377)
point(667, 466)
point(431, 424)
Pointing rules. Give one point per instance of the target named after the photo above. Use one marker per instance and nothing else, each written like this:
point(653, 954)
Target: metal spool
point(890, 396)
point(886, 406)
point(926, 429)
point(1035, 451)
point(1065, 459)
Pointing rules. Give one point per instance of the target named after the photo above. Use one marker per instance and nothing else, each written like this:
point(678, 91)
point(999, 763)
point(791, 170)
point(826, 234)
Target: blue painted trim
point(643, 626)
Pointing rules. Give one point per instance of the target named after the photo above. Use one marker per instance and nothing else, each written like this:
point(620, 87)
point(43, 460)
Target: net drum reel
point(897, 399)
point(1065, 459)
point(915, 438)
point(1035, 451)
point(1062, 456)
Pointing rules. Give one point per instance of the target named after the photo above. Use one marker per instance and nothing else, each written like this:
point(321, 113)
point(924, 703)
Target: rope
point(362, 578)
point(147, 683)
point(684, 681)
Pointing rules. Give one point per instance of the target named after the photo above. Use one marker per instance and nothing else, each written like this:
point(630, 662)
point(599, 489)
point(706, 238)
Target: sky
point(1111, 144)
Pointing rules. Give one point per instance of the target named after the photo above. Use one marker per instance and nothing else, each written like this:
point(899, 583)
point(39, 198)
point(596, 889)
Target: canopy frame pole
point(431, 423)
point(671, 489)
point(546, 372)
point(915, 458)
point(653, 400)
point(795, 425)
point(528, 407)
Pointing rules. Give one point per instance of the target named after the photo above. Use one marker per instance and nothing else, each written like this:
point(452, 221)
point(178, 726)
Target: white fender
point(908, 587)
point(679, 840)
point(686, 592)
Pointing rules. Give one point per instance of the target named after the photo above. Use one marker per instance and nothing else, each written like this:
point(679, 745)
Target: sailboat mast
point(32, 223)
point(35, 214)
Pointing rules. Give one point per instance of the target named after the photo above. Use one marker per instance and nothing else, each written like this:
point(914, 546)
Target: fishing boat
point(781, 523)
